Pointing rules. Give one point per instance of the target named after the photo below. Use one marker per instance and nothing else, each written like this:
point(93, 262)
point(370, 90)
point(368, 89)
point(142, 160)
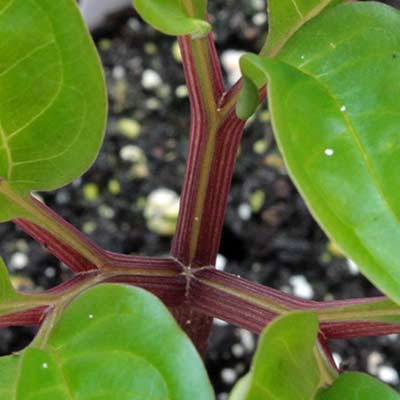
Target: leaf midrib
point(7, 150)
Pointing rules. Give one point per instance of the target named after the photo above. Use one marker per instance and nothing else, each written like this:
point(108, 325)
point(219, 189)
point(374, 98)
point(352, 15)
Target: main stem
point(214, 143)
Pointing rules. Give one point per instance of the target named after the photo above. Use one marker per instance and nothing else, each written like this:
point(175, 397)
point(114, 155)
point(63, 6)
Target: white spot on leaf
point(329, 152)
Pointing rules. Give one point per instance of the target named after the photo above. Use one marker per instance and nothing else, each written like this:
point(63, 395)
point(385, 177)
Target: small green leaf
point(334, 99)
point(286, 17)
point(112, 342)
point(7, 291)
point(284, 366)
point(52, 96)
point(175, 17)
point(358, 386)
point(248, 101)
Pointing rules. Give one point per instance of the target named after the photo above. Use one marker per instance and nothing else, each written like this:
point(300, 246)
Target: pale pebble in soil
point(230, 61)
point(301, 287)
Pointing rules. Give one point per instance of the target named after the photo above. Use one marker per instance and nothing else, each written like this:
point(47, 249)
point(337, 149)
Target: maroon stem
point(31, 317)
point(209, 299)
point(206, 297)
point(198, 137)
point(202, 297)
point(225, 150)
point(227, 146)
point(56, 246)
point(75, 261)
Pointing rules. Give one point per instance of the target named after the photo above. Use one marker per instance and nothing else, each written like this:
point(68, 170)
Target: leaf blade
point(286, 17)
point(342, 167)
point(284, 366)
point(52, 97)
point(358, 386)
point(113, 340)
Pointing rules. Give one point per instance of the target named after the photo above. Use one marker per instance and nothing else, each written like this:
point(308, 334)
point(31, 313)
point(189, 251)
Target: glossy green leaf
point(284, 366)
point(334, 99)
point(358, 386)
point(52, 96)
point(112, 342)
point(175, 17)
point(286, 17)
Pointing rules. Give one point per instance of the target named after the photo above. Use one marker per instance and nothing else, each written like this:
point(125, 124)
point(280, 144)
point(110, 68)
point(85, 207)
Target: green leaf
point(286, 17)
point(112, 342)
point(284, 366)
point(248, 101)
point(334, 100)
point(358, 386)
point(7, 291)
point(175, 17)
point(241, 388)
point(52, 96)
point(12, 301)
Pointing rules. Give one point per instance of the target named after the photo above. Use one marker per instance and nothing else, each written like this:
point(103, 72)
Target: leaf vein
point(26, 57)
point(4, 10)
point(297, 8)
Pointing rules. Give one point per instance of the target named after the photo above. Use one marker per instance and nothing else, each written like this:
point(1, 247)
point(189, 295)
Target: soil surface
point(269, 235)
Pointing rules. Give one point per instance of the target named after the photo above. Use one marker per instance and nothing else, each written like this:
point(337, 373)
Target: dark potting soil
point(269, 235)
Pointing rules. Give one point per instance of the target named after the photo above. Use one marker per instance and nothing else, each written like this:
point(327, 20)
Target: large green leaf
point(112, 342)
point(284, 366)
point(334, 97)
point(358, 386)
point(175, 17)
point(52, 96)
point(286, 17)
